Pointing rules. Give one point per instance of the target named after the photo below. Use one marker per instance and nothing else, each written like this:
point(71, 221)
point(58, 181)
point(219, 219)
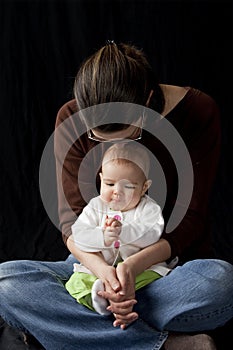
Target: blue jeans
point(194, 297)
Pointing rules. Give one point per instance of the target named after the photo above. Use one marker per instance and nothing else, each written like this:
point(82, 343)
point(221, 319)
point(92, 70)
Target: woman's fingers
point(125, 321)
point(126, 279)
point(116, 297)
point(122, 308)
point(122, 300)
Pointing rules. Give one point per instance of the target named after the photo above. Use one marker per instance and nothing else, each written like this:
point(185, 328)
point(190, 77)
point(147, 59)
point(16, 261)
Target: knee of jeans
point(10, 272)
point(224, 272)
point(12, 268)
point(212, 268)
point(218, 272)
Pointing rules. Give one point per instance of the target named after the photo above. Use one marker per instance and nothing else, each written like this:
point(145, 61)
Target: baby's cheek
point(105, 197)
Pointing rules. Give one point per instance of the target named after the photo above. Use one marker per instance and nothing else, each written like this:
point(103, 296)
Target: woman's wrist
point(130, 267)
point(142, 260)
point(102, 272)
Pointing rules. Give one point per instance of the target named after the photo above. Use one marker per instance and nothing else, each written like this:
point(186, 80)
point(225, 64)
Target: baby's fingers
point(116, 223)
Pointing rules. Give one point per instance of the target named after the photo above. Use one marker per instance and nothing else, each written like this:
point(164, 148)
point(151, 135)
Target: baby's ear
point(146, 186)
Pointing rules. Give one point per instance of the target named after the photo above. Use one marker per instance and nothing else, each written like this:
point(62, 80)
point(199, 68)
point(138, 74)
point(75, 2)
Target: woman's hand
point(96, 264)
point(120, 282)
point(122, 303)
point(123, 299)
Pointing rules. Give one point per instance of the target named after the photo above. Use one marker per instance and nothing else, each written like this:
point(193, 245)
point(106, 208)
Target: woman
point(117, 97)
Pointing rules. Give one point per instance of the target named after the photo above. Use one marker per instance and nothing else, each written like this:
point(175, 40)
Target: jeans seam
point(162, 335)
point(206, 315)
point(62, 278)
point(162, 338)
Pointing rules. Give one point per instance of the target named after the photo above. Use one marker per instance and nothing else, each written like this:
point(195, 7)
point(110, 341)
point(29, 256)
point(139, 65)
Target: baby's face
point(122, 185)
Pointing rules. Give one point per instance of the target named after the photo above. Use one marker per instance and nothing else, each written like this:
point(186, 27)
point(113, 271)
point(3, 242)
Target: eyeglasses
point(129, 138)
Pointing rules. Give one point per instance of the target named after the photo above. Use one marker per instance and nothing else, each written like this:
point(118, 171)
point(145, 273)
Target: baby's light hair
point(131, 152)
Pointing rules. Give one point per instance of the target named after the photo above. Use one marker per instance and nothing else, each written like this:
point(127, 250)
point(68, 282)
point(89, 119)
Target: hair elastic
point(110, 42)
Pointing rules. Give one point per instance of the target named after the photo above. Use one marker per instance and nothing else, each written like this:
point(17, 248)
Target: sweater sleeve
point(70, 148)
point(201, 133)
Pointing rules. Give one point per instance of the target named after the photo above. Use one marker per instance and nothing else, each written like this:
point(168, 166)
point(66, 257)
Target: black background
point(42, 46)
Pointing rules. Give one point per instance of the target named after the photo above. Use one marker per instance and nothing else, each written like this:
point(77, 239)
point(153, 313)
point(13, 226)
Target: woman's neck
point(173, 95)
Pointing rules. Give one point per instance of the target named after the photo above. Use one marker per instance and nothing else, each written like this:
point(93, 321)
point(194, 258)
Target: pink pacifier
point(117, 244)
point(117, 217)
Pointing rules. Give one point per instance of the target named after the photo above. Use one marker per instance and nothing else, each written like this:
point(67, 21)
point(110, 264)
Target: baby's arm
point(146, 227)
point(87, 232)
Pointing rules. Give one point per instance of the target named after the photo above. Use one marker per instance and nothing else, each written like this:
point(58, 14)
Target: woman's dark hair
point(117, 73)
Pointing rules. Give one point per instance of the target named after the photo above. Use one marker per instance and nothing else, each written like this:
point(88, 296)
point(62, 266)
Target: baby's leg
point(99, 304)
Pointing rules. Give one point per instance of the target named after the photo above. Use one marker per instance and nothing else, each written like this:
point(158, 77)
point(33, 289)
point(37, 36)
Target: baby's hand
point(112, 231)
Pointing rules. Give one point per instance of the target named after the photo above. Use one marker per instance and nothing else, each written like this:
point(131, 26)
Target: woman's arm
point(76, 183)
point(155, 253)
point(95, 263)
point(201, 132)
